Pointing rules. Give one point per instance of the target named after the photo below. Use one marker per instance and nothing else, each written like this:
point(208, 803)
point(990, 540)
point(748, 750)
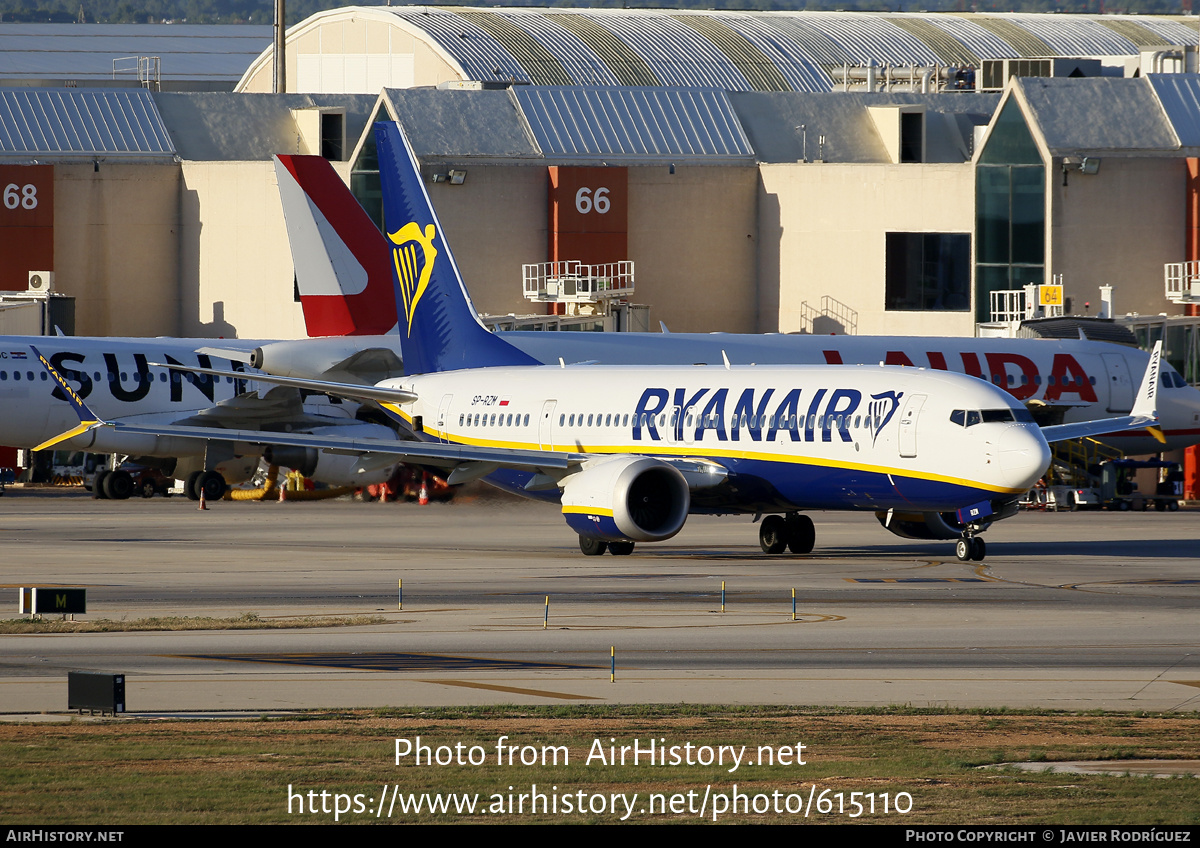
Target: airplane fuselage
point(789, 437)
point(1084, 380)
point(114, 377)
point(1090, 380)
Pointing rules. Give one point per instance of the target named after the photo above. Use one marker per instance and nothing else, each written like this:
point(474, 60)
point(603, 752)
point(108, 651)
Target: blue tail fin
point(439, 329)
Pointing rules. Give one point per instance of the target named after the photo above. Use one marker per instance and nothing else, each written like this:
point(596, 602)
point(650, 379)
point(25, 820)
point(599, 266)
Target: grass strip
point(239, 771)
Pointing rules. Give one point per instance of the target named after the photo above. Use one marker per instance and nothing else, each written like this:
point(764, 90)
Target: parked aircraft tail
point(341, 260)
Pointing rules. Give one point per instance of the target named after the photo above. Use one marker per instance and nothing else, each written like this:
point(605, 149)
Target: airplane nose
point(1023, 456)
point(1179, 409)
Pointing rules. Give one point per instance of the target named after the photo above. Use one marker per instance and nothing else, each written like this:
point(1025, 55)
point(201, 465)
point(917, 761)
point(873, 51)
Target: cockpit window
point(971, 417)
point(1172, 379)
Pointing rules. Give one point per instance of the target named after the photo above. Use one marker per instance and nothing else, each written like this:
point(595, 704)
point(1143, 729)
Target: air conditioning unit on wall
point(41, 281)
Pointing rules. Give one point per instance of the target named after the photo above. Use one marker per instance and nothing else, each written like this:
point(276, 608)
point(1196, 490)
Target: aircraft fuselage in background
point(115, 377)
point(1086, 380)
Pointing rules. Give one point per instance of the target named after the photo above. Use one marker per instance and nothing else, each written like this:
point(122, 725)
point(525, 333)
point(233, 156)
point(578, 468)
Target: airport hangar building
point(751, 193)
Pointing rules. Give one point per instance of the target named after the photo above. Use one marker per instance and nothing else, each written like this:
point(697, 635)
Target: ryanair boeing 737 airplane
point(630, 452)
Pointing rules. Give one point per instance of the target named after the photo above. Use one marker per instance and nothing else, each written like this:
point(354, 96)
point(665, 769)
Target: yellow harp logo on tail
point(413, 255)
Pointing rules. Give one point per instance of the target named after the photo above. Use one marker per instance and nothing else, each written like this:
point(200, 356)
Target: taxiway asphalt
point(1094, 610)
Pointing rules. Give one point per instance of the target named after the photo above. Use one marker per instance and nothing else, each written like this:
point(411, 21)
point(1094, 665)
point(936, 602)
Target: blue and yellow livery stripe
point(709, 452)
point(572, 509)
point(87, 419)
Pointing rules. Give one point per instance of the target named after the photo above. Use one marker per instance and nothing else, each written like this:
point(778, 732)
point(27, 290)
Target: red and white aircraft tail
point(340, 257)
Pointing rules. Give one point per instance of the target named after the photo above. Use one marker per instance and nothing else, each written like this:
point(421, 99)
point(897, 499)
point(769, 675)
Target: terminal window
point(928, 272)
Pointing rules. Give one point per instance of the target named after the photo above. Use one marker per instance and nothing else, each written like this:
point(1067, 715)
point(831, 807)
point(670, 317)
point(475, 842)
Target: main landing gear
point(794, 532)
point(211, 482)
point(594, 547)
point(970, 548)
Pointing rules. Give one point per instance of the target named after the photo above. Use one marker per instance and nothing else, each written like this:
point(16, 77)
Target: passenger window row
point(493, 420)
point(111, 377)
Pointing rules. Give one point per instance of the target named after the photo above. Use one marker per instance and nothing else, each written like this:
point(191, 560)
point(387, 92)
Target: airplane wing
point(423, 453)
point(352, 391)
point(465, 462)
point(419, 453)
point(1143, 415)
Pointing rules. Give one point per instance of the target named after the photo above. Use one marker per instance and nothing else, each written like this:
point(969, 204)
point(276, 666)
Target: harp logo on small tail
point(413, 257)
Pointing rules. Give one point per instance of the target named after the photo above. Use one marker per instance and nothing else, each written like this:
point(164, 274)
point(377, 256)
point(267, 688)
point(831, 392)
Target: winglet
point(1146, 404)
point(88, 420)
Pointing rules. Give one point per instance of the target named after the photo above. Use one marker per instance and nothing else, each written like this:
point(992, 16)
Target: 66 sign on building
point(26, 223)
point(589, 214)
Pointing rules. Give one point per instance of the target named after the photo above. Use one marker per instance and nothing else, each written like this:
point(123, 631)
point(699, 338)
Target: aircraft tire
point(963, 550)
point(98, 486)
point(620, 548)
point(592, 547)
point(1173, 506)
point(801, 534)
point(191, 486)
point(978, 549)
point(213, 485)
point(773, 535)
point(118, 485)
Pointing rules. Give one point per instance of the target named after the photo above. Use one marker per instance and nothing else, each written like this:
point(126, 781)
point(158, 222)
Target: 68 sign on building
point(26, 223)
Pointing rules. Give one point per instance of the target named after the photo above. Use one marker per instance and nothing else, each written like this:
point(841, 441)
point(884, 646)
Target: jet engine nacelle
point(317, 359)
point(111, 440)
point(337, 469)
point(626, 499)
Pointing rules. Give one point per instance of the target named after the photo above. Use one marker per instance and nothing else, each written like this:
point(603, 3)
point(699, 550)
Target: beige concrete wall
point(1118, 227)
point(495, 222)
point(823, 229)
point(356, 36)
point(116, 247)
point(693, 239)
point(235, 268)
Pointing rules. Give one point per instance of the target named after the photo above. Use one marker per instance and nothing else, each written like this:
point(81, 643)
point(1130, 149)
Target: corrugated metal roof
point(873, 37)
point(678, 54)
point(756, 51)
point(81, 122)
point(967, 30)
point(1074, 35)
point(640, 123)
point(1179, 95)
point(213, 54)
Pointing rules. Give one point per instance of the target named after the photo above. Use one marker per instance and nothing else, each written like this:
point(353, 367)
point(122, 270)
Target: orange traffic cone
point(283, 492)
point(423, 492)
point(203, 502)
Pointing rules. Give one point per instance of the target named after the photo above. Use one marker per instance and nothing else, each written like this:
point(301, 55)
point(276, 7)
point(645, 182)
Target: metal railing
point(834, 317)
point(1182, 281)
point(570, 281)
point(1016, 305)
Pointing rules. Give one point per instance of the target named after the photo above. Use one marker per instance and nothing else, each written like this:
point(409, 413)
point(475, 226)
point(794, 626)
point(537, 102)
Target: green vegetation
point(124, 771)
